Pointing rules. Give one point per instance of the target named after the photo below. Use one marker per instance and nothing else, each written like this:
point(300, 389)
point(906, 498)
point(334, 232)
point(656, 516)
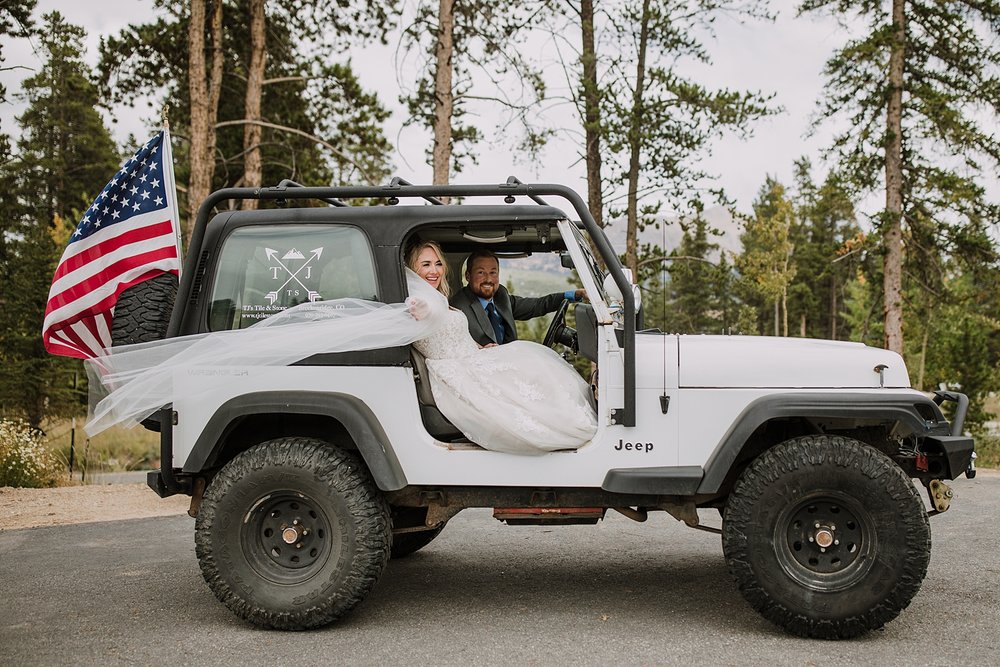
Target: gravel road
point(130, 592)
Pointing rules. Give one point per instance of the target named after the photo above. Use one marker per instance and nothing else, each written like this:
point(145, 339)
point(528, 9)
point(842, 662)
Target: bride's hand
point(483, 347)
point(418, 308)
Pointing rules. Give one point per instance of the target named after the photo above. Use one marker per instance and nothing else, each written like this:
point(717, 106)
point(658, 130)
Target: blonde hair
point(411, 261)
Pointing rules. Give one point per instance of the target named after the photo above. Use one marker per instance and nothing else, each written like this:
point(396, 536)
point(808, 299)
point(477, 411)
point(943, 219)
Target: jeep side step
point(541, 516)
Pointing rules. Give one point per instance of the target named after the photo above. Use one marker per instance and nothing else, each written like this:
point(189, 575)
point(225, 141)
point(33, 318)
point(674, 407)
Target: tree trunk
point(923, 355)
point(204, 88)
point(591, 112)
point(802, 326)
point(443, 97)
point(635, 144)
point(777, 316)
point(784, 312)
point(893, 221)
point(784, 296)
point(252, 132)
point(833, 308)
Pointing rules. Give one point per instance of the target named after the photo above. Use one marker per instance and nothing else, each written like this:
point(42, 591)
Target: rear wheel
point(826, 537)
point(292, 534)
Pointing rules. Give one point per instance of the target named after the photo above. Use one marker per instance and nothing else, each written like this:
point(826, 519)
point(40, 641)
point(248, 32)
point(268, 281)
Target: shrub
point(988, 450)
point(24, 460)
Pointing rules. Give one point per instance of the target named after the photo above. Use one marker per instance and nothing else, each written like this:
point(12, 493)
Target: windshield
point(592, 265)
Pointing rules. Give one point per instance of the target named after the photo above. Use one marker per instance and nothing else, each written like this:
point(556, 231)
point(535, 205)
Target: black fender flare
point(359, 420)
point(882, 407)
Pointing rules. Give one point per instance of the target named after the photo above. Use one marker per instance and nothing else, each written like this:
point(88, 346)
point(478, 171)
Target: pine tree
point(694, 289)
point(471, 55)
point(918, 93)
point(15, 21)
point(318, 124)
point(64, 157)
point(825, 223)
point(66, 153)
point(659, 122)
point(765, 266)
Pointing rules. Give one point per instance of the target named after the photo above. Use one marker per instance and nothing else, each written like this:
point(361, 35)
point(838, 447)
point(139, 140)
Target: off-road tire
point(862, 501)
point(405, 544)
point(142, 312)
point(253, 503)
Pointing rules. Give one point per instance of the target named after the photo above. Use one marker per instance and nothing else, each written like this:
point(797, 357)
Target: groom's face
point(483, 277)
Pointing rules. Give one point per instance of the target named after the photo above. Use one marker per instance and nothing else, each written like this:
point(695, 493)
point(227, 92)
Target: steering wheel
point(558, 325)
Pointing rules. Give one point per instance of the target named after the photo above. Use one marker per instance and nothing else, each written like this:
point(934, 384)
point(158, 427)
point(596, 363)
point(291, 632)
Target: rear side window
point(264, 270)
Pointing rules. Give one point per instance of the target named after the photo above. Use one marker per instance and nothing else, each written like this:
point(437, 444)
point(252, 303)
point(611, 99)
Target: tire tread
point(811, 451)
point(342, 472)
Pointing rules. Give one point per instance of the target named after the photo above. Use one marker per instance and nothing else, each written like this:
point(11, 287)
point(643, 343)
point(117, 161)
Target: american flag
point(125, 237)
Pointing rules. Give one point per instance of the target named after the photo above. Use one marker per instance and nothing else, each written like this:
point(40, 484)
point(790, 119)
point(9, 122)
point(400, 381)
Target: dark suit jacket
point(510, 308)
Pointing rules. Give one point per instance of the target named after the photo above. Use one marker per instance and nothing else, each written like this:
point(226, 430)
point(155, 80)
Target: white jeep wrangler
point(306, 478)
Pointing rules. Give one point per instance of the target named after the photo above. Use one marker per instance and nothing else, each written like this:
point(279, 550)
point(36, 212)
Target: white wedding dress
point(520, 398)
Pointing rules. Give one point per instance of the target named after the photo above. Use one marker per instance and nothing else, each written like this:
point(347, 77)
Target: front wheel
point(826, 537)
point(292, 534)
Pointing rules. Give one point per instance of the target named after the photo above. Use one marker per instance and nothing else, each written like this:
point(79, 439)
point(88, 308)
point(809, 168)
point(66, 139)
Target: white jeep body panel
point(709, 381)
point(795, 363)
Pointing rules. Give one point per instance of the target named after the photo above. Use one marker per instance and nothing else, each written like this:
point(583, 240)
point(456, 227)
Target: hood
point(768, 361)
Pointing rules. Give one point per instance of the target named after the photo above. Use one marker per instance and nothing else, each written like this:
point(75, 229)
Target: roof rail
point(289, 183)
point(398, 181)
point(514, 180)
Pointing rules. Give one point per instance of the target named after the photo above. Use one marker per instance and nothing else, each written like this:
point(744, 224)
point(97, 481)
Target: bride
point(520, 398)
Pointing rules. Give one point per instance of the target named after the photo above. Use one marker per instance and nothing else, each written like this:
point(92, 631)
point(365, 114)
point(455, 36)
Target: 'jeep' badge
point(644, 447)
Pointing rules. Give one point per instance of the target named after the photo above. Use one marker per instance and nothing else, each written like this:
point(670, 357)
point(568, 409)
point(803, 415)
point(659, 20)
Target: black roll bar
point(400, 189)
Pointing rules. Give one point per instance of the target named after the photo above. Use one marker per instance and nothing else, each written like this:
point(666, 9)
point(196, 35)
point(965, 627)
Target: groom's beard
point(485, 290)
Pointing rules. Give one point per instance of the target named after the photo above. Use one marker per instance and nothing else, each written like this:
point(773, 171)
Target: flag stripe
point(101, 299)
point(103, 323)
point(126, 236)
point(87, 336)
point(75, 343)
point(105, 246)
point(59, 347)
point(111, 265)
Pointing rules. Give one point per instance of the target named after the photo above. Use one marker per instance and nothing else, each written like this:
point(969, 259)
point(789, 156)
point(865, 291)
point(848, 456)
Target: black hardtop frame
point(398, 189)
point(388, 225)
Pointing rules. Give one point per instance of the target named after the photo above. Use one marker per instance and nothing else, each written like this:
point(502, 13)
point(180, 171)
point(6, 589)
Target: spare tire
point(142, 313)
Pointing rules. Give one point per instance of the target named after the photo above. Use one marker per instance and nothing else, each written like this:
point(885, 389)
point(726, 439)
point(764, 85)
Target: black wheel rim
point(286, 537)
point(826, 542)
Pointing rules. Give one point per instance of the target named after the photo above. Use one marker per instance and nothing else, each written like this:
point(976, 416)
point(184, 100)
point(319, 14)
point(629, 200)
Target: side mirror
point(611, 287)
point(615, 294)
point(566, 261)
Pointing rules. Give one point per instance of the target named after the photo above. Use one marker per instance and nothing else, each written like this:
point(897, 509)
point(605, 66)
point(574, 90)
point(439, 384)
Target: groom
point(491, 309)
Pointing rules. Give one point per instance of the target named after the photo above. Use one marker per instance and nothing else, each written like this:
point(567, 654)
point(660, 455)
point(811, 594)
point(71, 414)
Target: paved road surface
point(130, 592)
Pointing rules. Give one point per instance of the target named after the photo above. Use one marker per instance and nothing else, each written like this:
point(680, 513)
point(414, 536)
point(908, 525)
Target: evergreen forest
point(258, 91)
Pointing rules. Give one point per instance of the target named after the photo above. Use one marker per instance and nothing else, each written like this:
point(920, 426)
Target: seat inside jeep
point(435, 422)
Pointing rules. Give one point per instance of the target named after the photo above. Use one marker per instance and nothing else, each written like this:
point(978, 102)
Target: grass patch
point(988, 451)
point(115, 450)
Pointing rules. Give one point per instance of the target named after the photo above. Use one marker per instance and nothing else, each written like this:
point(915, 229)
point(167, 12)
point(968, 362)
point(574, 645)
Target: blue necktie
point(495, 321)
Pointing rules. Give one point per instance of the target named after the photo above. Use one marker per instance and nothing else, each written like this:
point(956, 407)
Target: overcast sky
point(785, 57)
